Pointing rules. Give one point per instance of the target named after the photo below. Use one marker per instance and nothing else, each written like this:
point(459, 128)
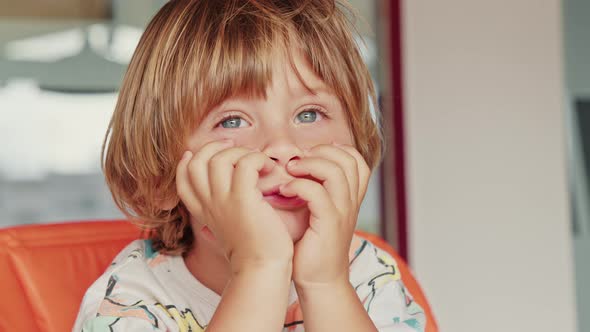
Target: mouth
point(278, 201)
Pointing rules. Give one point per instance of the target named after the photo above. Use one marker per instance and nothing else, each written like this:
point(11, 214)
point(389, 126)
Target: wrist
point(306, 290)
point(275, 267)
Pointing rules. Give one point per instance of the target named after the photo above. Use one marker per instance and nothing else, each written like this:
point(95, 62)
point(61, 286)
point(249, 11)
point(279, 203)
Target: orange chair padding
point(46, 269)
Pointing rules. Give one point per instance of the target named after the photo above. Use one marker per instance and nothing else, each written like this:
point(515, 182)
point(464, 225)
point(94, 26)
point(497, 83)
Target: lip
point(272, 191)
point(276, 200)
point(284, 203)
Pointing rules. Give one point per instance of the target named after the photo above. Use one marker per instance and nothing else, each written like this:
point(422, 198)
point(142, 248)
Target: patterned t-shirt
point(144, 290)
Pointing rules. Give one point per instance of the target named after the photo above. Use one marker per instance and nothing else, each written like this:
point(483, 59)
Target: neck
point(206, 263)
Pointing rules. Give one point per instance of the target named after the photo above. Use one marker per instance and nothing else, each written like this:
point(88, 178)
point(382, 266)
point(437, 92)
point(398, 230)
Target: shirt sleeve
point(383, 294)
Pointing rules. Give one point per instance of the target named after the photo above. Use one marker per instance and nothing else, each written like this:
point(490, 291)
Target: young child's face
point(290, 120)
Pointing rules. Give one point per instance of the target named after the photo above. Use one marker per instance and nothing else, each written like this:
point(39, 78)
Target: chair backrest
point(46, 269)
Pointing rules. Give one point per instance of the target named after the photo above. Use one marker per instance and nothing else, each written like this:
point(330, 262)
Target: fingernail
point(292, 163)
point(186, 155)
point(336, 143)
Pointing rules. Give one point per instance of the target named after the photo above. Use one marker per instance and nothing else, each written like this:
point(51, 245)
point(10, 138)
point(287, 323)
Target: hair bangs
point(238, 58)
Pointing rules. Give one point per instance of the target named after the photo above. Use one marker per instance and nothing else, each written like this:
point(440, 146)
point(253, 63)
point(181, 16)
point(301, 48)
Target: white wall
point(489, 219)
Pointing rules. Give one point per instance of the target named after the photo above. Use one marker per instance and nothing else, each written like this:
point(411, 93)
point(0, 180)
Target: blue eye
point(231, 122)
point(307, 116)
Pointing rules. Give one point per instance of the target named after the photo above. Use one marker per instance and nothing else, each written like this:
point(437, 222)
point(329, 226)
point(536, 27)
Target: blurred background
point(484, 188)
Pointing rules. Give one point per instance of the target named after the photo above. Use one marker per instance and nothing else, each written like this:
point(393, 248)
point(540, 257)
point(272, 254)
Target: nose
point(282, 150)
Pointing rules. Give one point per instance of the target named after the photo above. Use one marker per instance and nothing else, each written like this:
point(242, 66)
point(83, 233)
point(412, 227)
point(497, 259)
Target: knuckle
point(338, 170)
point(194, 164)
point(249, 159)
point(297, 183)
point(353, 152)
point(199, 156)
point(222, 157)
point(243, 162)
point(316, 187)
point(341, 174)
point(350, 155)
point(350, 149)
point(252, 156)
point(217, 160)
point(260, 155)
point(351, 160)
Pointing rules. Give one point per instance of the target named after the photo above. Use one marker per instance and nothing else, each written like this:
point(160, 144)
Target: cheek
point(241, 138)
point(250, 140)
point(312, 138)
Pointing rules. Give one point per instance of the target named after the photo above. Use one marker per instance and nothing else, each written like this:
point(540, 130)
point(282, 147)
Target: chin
point(297, 222)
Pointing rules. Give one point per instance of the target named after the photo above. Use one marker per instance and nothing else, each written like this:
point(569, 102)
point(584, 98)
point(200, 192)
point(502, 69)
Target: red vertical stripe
point(397, 136)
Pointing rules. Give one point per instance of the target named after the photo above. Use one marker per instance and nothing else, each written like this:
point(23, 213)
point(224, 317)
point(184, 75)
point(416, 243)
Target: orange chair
point(45, 270)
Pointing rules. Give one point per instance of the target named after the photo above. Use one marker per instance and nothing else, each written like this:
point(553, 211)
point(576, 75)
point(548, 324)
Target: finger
point(347, 162)
point(247, 170)
point(198, 169)
point(364, 171)
point(183, 185)
point(331, 175)
point(318, 200)
point(221, 169)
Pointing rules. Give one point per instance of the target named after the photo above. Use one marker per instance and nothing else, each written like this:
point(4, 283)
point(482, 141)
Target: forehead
point(291, 77)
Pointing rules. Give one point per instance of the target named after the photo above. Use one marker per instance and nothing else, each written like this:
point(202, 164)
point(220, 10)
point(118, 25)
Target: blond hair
point(193, 55)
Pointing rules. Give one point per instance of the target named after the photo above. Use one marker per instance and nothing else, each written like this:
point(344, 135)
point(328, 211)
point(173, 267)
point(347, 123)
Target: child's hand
point(321, 256)
point(218, 186)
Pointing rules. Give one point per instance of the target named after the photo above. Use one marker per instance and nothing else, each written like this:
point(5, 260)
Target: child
point(243, 140)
